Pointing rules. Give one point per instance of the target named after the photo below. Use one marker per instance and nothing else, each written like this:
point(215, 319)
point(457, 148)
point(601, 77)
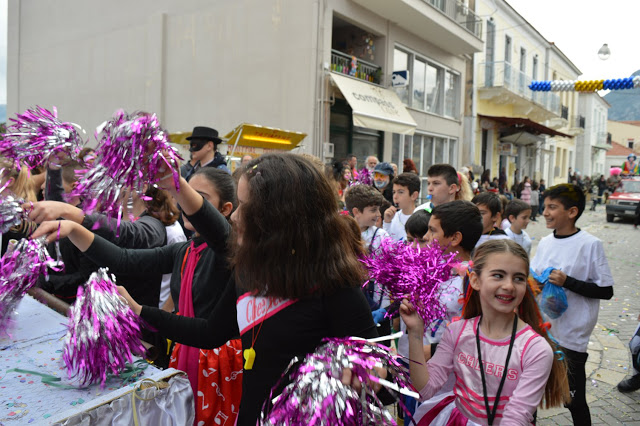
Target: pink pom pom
point(133, 151)
point(317, 396)
point(103, 332)
point(415, 273)
point(20, 268)
point(36, 134)
point(615, 171)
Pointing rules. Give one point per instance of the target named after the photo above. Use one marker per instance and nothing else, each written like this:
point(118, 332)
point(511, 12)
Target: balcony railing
point(609, 138)
point(460, 13)
point(578, 121)
point(565, 112)
point(505, 75)
point(345, 64)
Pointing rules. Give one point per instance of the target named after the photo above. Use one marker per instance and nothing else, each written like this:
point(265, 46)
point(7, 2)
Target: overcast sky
point(579, 28)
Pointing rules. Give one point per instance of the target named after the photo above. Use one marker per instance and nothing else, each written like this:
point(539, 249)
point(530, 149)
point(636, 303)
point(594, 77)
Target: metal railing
point(345, 64)
point(565, 112)
point(504, 74)
point(578, 121)
point(609, 138)
point(460, 13)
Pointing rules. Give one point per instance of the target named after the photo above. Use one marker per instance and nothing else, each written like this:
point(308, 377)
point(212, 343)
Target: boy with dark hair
point(456, 226)
point(444, 184)
point(581, 267)
point(417, 226)
point(490, 208)
point(406, 188)
point(519, 213)
point(363, 203)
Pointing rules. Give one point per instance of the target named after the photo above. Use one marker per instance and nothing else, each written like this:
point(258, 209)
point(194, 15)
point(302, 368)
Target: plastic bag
point(553, 300)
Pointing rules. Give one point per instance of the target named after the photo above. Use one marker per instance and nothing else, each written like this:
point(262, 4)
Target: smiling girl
point(499, 352)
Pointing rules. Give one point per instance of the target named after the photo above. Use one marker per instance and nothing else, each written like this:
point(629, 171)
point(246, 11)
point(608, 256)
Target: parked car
point(624, 199)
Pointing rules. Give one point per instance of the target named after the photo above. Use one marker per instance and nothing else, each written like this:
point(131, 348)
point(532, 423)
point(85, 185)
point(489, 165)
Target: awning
point(521, 131)
point(253, 135)
point(375, 107)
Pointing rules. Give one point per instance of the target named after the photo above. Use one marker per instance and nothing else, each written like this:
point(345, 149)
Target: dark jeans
point(577, 385)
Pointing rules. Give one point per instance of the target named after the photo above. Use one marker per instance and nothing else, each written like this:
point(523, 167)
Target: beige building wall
point(192, 62)
point(624, 133)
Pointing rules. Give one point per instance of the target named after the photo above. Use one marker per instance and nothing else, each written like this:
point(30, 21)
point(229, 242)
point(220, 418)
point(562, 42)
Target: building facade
point(593, 144)
point(278, 63)
point(517, 131)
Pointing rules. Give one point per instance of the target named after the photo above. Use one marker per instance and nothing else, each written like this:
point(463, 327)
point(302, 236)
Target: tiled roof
point(620, 150)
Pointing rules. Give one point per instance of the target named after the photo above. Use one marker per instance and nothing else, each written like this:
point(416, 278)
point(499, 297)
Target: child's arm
point(105, 253)
point(536, 367)
point(415, 331)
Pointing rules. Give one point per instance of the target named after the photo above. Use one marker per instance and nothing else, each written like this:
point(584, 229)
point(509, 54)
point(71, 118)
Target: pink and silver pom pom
point(133, 151)
point(36, 134)
point(11, 212)
point(103, 332)
point(415, 273)
point(315, 394)
point(20, 268)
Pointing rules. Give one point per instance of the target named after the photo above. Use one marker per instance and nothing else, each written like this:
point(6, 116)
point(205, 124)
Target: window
point(452, 85)
point(401, 63)
point(630, 143)
point(425, 150)
point(432, 87)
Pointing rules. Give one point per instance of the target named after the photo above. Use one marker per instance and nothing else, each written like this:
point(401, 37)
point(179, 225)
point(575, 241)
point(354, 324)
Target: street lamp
point(604, 52)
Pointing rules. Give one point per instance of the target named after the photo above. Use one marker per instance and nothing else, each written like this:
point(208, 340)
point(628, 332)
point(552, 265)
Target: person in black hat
point(203, 144)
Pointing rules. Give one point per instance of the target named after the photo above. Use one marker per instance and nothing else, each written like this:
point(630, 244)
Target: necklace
point(491, 413)
point(249, 355)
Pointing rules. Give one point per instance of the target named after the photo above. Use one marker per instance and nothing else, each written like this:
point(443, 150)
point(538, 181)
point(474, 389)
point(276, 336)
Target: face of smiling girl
point(502, 283)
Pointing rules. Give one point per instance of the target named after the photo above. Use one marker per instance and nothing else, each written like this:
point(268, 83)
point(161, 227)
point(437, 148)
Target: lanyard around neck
point(491, 413)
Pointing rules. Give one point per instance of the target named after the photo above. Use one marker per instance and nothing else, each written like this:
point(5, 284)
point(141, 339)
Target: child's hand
point(54, 230)
point(135, 306)
point(557, 277)
point(415, 325)
point(389, 213)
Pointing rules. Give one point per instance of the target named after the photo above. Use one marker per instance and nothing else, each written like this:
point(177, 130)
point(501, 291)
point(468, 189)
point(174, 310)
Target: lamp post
point(604, 52)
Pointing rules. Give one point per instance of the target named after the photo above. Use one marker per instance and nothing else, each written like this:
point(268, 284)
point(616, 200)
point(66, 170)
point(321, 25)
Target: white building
point(279, 63)
point(593, 144)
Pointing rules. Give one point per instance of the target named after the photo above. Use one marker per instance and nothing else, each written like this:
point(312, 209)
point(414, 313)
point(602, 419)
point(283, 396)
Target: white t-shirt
point(582, 257)
point(450, 294)
point(380, 236)
point(505, 224)
point(175, 234)
point(395, 228)
point(367, 235)
point(523, 239)
point(486, 237)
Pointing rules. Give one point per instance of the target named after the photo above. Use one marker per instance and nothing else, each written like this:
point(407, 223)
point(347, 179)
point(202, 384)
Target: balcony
point(449, 24)
point(344, 64)
point(603, 141)
point(502, 83)
point(578, 122)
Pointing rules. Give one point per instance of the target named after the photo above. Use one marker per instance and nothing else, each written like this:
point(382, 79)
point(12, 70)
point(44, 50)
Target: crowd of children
point(273, 267)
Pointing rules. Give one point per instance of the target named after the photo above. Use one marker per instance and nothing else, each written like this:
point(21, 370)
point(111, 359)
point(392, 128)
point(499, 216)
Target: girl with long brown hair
point(500, 352)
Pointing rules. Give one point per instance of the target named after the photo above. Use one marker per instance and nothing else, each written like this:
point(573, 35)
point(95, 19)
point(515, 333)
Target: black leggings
point(577, 385)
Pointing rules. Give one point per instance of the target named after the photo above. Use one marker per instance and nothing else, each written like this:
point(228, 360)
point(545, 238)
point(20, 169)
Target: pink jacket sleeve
point(536, 367)
point(441, 364)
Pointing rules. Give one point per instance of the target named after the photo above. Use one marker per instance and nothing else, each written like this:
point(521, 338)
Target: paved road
point(609, 358)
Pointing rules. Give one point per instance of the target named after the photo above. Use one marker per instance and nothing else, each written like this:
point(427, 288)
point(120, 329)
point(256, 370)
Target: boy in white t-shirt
point(363, 203)
point(519, 213)
point(581, 267)
point(406, 188)
point(490, 208)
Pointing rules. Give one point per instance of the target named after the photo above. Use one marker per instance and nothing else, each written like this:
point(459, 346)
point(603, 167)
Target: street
point(609, 357)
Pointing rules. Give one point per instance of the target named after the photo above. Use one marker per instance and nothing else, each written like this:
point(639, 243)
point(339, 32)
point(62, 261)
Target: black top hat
point(205, 133)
